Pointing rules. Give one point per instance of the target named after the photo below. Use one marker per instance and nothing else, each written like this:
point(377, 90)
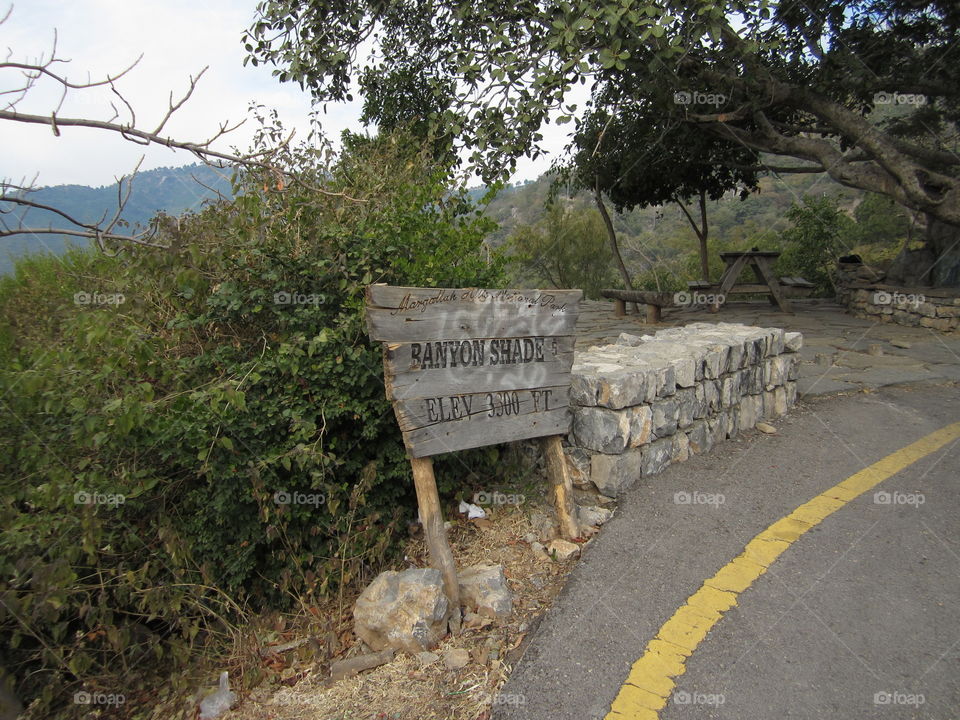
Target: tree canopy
point(792, 79)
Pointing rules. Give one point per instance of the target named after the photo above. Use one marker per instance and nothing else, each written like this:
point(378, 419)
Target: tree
point(566, 249)
point(17, 198)
point(638, 160)
point(798, 80)
point(815, 242)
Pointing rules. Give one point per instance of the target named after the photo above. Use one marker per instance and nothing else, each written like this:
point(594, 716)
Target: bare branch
point(200, 149)
point(92, 234)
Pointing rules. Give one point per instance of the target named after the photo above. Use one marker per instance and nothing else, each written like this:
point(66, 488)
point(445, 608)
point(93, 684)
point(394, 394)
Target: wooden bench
point(652, 302)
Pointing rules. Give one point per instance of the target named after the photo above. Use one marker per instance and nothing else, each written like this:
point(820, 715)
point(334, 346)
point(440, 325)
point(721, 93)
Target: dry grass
point(405, 689)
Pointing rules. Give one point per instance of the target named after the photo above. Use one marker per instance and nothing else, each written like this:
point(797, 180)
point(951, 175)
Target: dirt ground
point(406, 688)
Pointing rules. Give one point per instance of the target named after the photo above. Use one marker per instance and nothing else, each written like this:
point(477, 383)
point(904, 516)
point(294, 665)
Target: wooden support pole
point(653, 313)
point(441, 557)
point(619, 307)
point(559, 475)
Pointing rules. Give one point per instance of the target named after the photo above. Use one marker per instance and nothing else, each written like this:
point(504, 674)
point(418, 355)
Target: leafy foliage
point(818, 237)
point(226, 421)
point(567, 249)
point(811, 81)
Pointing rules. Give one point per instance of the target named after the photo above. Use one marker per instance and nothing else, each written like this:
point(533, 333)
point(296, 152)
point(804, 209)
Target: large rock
point(483, 588)
point(403, 610)
point(612, 474)
point(606, 431)
point(656, 456)
point(666, 415)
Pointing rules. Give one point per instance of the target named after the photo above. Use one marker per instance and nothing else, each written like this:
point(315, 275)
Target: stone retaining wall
point(937, 308)
point(645, 402)
point(861, 288)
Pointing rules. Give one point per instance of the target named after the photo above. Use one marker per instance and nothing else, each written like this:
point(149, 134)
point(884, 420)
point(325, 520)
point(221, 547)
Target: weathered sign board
point(471, 367)
point(468, 367)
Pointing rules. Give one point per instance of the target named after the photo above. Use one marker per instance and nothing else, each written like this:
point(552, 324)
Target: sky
point(177, 39)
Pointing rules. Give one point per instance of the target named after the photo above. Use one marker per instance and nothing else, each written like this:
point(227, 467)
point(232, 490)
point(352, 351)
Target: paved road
point(859, 618)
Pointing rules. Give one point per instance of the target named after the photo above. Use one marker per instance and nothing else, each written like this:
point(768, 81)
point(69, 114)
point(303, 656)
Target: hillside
point(172, 190)
point(756, 220)
point(651, 234)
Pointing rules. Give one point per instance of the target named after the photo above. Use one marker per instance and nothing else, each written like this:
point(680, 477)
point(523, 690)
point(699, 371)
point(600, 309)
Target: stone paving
point(840, 353)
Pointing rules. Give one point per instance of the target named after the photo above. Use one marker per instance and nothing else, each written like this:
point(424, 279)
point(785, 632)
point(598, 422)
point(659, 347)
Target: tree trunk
point(702, 231)
point(937, 263)
point(612, 235)
point(702, 235)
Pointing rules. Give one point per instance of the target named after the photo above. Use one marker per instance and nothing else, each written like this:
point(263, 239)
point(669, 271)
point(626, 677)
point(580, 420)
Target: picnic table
point(761, 263)
point(766, 283)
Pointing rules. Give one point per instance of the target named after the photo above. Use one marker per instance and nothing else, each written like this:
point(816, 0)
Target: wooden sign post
point(470, 367)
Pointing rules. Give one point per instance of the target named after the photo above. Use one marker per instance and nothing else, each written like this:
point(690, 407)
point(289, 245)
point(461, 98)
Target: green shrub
point(818, 237)
point(202, 400)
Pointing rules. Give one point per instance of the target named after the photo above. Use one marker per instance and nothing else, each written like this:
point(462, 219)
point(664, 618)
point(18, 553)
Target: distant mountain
point(172, 190)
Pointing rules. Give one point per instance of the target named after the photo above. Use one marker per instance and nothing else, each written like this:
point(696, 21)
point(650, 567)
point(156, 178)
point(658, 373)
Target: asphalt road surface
point(858, 618)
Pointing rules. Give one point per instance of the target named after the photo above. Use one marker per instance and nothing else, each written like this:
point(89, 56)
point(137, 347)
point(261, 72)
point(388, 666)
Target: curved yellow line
point(647, 688)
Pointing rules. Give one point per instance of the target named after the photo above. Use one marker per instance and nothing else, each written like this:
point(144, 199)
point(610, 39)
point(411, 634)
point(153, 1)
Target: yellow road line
point(648, 687)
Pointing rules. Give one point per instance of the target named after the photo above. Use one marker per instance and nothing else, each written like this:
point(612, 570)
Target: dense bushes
point(219, 439)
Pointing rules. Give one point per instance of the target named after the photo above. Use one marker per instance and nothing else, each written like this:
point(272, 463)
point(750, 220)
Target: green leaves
point(238, 370)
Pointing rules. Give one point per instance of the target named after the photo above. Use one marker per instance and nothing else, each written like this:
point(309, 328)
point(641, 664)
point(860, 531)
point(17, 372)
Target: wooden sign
point(471, 367)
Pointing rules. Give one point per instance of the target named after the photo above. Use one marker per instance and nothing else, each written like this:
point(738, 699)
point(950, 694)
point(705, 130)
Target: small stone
point(538, 547)
point(593, 515)
point(766, 428)
point(901, 344)
point(792, 341)
point(427, 658)
point(563, 550)
point(543, 525)
point(455, 658)
point(484, 587)
point(529, 538)
point(474, 621)
point(875, 350)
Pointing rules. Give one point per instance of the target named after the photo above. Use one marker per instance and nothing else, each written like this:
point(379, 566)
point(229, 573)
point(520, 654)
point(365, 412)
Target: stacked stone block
point(937, 308)
point(645, 402)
